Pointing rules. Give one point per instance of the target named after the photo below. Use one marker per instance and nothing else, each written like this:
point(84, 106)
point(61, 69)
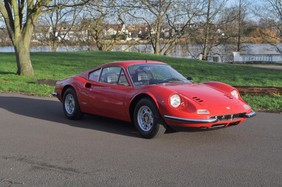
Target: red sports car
point(152, 95)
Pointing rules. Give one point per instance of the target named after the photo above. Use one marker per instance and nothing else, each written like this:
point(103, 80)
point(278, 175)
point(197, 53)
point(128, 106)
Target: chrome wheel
point(145, 118)
point(69, 104)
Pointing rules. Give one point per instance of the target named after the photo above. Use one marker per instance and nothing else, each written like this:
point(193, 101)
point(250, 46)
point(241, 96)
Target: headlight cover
point(235, 94)
point(175, 100)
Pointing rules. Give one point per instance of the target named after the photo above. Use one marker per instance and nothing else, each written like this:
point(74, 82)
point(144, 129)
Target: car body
point(152, 95)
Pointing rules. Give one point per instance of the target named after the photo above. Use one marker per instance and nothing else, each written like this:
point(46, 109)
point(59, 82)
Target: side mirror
point(190, 79)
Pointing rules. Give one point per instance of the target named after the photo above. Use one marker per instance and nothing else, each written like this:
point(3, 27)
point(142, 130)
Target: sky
point(230, 3)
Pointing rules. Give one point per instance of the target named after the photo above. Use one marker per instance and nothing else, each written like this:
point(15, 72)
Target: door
point(108, 93)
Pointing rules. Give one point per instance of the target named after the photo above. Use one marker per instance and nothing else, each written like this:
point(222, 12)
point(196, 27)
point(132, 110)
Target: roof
point(127, 63)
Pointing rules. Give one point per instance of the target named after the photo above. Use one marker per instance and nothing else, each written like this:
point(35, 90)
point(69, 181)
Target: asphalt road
point(39, 147)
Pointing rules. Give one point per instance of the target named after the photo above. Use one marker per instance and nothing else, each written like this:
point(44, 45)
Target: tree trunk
point(158, 36)
point(239, 27)
point(157, 45)
point(207, 27)
point(23, 59)
point(54, 46)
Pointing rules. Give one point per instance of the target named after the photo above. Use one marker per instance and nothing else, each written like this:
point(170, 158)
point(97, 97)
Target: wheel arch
point(76, 113)
point(220, 86)
point(223, 87)
point(138, 98)
point(65, 88)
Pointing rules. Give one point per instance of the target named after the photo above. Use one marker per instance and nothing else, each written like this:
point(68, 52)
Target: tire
point(147, 119)
point(70, 105)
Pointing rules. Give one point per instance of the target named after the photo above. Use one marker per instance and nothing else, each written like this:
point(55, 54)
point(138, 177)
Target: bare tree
point(234, 24)
point(21, 18)
point(61, 23)
point(182, 19)
point(239, 21)
point(104, 24)
point(212, 10)
point(20, 28)
point(153, 13)
point(271, 10)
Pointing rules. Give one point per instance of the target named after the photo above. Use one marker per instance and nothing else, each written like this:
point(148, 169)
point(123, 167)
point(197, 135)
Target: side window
point(114, 75)
point(122, 79)
point(110, 75)
point(94, 76)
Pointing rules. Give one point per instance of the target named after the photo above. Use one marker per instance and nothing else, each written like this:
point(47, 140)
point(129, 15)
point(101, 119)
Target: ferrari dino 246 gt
point(152, 95)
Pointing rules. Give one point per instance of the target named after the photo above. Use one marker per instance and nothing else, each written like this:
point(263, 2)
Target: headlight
point(235, 94)
point(175, 100)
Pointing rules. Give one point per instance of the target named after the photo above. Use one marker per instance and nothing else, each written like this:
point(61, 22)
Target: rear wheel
point(147, 119)
point(71, 105)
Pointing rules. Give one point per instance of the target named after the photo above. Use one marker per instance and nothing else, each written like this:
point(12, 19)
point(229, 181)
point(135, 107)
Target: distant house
point(75, 33)
point(138, 31)
point(113, 29)
point(117, 29)
point(4, 37)
point(60, 33)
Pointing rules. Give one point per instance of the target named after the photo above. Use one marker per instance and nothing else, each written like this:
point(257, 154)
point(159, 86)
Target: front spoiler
point(211, 120)
point(189, 120)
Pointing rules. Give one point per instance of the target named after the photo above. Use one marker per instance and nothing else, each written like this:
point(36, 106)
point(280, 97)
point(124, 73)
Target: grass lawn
point(61, 65)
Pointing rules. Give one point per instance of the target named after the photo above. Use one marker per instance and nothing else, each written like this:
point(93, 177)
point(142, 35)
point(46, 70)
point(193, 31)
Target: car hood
point(208, 97)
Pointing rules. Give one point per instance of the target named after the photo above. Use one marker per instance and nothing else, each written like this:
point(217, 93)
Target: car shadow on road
point(51, 110)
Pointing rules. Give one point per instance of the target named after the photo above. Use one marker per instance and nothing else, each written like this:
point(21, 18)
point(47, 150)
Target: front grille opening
point(234, 123)
point(218, 125)
point(230, 117)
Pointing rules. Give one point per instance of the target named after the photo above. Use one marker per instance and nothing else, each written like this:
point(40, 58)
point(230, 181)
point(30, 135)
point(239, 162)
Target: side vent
point(197, 99)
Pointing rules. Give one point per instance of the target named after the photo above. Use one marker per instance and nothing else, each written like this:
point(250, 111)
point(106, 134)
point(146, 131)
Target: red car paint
point(203, 105)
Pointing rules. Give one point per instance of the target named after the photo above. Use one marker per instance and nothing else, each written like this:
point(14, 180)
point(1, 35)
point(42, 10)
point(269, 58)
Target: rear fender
point(75, 83)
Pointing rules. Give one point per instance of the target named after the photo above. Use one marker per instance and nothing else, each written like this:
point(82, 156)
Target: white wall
point(265, 58)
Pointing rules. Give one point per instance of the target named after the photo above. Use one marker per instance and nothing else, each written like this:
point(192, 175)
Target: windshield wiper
point(169, 80)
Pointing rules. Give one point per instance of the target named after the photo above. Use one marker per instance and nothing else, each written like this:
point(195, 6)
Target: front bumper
point(251, 114)
point(216, 121)
point(189, 120)
point(211, 120)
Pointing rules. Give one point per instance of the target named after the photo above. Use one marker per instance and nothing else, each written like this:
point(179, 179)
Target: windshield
point(147, 74)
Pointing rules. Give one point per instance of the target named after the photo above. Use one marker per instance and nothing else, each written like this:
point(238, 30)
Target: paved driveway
point(39, 147)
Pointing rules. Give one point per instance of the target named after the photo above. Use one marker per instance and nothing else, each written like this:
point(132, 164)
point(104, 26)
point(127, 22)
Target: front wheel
point(71, 105)
point(147, 119)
